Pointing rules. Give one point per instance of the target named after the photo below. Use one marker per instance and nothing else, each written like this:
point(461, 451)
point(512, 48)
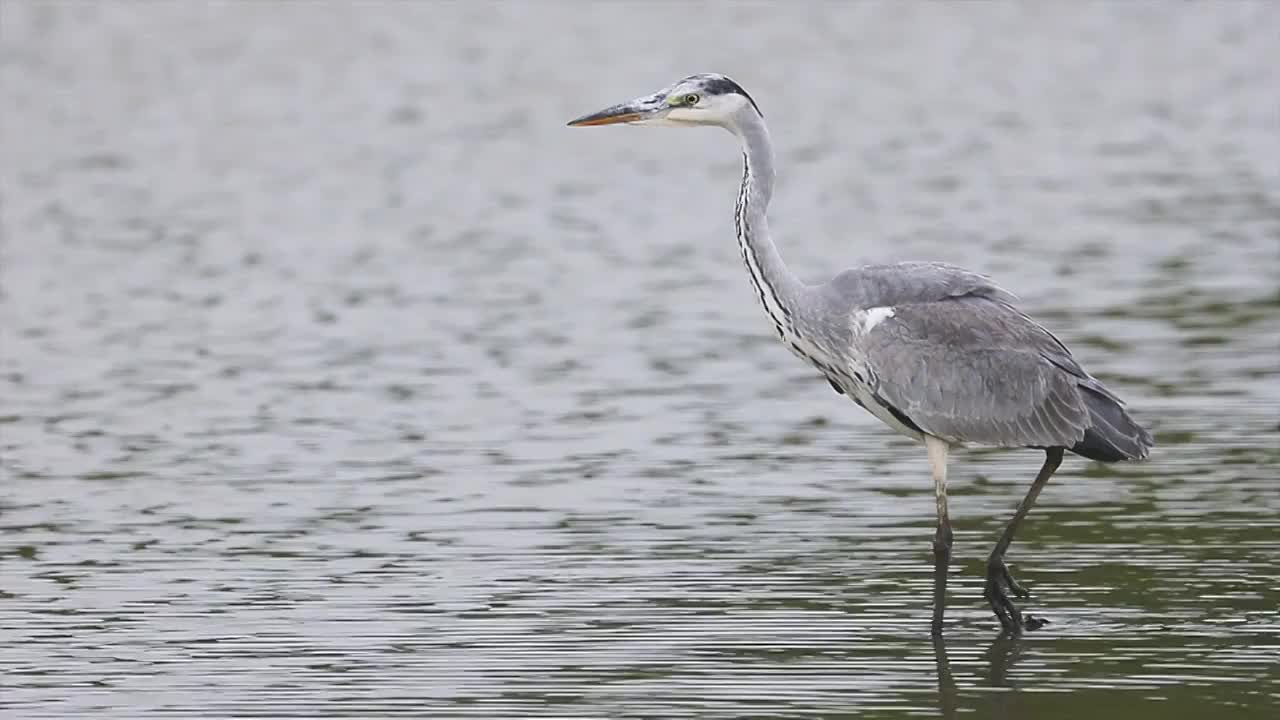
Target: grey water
point(339, 378)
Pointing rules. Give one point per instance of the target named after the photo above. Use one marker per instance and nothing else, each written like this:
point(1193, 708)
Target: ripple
point(339, 379)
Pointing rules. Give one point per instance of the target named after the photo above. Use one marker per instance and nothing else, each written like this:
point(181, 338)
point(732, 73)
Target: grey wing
point(910, 282)
point(975, 370)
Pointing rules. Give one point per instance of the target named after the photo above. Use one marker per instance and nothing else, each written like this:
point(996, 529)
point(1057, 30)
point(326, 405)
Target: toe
point(1015, 586)
point(1005, 611)
point(1033, 622)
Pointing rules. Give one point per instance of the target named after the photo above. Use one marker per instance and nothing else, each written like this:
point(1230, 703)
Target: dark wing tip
point(1112, 435)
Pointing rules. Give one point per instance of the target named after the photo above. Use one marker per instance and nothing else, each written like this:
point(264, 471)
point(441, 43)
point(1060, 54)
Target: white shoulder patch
point(874, 316)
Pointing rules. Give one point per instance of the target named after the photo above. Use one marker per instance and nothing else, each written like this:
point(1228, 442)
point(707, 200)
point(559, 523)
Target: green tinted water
point(338, 378)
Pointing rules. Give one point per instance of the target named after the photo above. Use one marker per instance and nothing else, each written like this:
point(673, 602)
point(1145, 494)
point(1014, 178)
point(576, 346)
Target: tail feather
point(1112, 435)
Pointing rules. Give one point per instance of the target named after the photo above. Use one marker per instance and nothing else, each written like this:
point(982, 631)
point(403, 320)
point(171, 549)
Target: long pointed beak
point(628, 112)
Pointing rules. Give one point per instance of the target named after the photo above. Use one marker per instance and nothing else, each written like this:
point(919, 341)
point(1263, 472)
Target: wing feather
point(974, 369)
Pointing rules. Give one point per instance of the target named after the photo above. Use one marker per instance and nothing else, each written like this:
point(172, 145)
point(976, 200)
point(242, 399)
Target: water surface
point(338, 378)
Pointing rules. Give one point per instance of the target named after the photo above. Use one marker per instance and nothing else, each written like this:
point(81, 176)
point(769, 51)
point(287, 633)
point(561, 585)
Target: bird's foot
point(1009, 582)
point(999, 585)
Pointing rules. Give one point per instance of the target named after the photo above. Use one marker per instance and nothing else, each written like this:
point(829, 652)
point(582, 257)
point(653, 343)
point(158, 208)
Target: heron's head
point(696, 100)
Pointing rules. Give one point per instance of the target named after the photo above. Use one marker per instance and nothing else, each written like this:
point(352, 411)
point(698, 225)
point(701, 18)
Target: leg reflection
point(1003, 653)
point(946, 683)
point(1001, 656)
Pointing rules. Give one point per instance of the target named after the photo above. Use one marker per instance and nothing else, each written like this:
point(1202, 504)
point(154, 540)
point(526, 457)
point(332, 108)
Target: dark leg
point(941, 561)
point(942, 537)
point(999, 582)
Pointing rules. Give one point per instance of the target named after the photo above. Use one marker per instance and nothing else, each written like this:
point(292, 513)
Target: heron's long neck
point(777, 287)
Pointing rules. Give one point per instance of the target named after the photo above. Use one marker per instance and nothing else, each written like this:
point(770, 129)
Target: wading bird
point(937, 353)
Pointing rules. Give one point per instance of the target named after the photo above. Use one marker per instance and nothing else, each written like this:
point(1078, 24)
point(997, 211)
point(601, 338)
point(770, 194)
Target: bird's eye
point(690, 99)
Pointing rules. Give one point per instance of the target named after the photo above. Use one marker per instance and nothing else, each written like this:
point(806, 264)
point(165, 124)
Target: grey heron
point(937, 353)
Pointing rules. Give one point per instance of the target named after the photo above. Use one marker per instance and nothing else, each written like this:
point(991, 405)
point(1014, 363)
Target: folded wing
point(974, 369)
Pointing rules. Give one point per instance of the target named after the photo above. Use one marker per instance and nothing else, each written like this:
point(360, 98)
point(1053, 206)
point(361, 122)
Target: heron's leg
point(999, 582)
point(942, 537)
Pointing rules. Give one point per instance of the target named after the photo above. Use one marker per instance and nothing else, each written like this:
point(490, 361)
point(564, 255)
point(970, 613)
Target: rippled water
point(337, 377)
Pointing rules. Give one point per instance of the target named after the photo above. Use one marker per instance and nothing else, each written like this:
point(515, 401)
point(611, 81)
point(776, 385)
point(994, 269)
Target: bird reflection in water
point(1000, 657)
